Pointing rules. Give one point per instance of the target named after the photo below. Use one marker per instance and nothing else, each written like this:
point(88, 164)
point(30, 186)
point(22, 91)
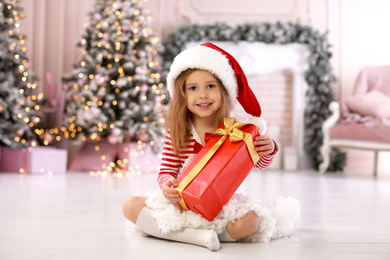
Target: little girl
point(204, 82)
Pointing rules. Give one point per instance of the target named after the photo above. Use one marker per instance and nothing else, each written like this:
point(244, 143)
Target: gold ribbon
point(236, 135)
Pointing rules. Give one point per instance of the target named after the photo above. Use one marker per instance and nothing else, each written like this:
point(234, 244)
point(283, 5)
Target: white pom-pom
point(287, 213)
point(259, 122)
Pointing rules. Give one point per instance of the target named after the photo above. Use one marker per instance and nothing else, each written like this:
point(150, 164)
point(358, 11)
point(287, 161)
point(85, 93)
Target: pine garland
point(319, 76)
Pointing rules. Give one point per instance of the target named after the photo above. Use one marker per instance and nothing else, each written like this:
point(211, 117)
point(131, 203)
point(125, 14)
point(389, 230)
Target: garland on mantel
point(319, 76)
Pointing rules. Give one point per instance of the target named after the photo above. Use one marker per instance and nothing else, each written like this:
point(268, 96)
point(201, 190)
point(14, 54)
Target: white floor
point(77, 216)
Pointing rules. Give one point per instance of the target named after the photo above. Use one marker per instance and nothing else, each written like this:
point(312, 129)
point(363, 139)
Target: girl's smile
point(205, 104)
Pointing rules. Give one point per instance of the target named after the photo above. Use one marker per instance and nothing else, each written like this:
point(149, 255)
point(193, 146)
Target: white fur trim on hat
point(259, 122)
point(204, 58)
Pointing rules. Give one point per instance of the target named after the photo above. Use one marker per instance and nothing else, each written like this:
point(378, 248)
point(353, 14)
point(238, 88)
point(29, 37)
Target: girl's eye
point(211, 86)
point(192, 88)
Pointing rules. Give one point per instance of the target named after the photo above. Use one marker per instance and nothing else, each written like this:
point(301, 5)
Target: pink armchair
point(363, 121)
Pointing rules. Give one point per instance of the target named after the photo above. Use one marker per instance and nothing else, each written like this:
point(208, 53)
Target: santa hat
point(221, 64)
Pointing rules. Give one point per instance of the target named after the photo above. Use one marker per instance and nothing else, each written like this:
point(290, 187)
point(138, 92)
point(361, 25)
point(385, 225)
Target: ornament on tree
point(144, 88)
point(97, 17)
point(94, 111)
point(99, 79)
point(142, 54)
point(144, 137)
point(106, 37)
point(139, 70)
point(116, 131)
point(48, 138)
point(112, 139)
point(11, 47)
point(19, 132)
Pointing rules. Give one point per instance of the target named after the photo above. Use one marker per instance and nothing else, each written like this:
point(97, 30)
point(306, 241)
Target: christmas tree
point(114, 91)
point(18, 104)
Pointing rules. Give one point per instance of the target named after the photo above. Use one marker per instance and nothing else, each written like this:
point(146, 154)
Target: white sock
point(225, 237)
point(200, 237)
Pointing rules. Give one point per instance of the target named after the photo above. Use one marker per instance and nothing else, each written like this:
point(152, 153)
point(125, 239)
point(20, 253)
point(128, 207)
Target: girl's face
point(203, 93)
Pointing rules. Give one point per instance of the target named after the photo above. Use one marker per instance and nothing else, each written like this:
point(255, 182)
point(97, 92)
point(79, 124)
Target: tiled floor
point(77, 216)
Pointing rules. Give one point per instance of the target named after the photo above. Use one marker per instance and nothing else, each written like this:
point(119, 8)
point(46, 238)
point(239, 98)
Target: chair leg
point(375, 163)
point(325, 153)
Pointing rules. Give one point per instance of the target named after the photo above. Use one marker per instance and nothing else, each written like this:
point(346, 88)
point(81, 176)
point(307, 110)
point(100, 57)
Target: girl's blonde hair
point(179, 117)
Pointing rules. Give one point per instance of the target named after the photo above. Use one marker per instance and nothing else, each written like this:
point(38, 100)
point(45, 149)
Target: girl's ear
point(259, 122)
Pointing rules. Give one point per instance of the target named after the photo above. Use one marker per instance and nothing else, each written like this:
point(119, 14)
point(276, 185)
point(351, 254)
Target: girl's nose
point(203, 93)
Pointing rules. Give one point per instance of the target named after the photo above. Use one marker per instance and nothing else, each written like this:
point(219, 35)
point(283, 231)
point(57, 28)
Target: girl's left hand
point(263, 145)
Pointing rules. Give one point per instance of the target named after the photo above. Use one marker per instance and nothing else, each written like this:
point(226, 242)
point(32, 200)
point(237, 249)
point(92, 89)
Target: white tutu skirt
point(277, 220)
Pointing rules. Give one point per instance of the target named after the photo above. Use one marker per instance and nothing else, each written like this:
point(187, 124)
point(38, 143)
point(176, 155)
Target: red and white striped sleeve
point(266, 160)
point(170, 163)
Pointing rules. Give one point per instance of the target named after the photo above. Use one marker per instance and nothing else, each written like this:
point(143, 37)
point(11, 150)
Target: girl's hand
point(170, 193)
point(264, 145)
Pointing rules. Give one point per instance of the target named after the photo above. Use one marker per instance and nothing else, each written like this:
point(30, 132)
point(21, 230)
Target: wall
point(357, 29)
point(364, 40)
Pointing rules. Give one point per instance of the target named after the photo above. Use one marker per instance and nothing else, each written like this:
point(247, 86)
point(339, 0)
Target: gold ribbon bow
point(236, 135)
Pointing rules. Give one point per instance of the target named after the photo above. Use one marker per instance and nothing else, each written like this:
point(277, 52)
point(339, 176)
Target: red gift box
point(228, 157)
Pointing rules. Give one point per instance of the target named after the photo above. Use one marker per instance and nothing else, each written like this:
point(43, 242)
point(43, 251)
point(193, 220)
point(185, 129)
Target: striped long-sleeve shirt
point(171, 165)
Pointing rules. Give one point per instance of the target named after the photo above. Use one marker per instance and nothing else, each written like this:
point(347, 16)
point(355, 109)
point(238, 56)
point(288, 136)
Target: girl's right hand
point(170, 193)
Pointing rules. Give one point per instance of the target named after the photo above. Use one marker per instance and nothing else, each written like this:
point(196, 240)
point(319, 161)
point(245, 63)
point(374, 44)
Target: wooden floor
point(77, 216)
